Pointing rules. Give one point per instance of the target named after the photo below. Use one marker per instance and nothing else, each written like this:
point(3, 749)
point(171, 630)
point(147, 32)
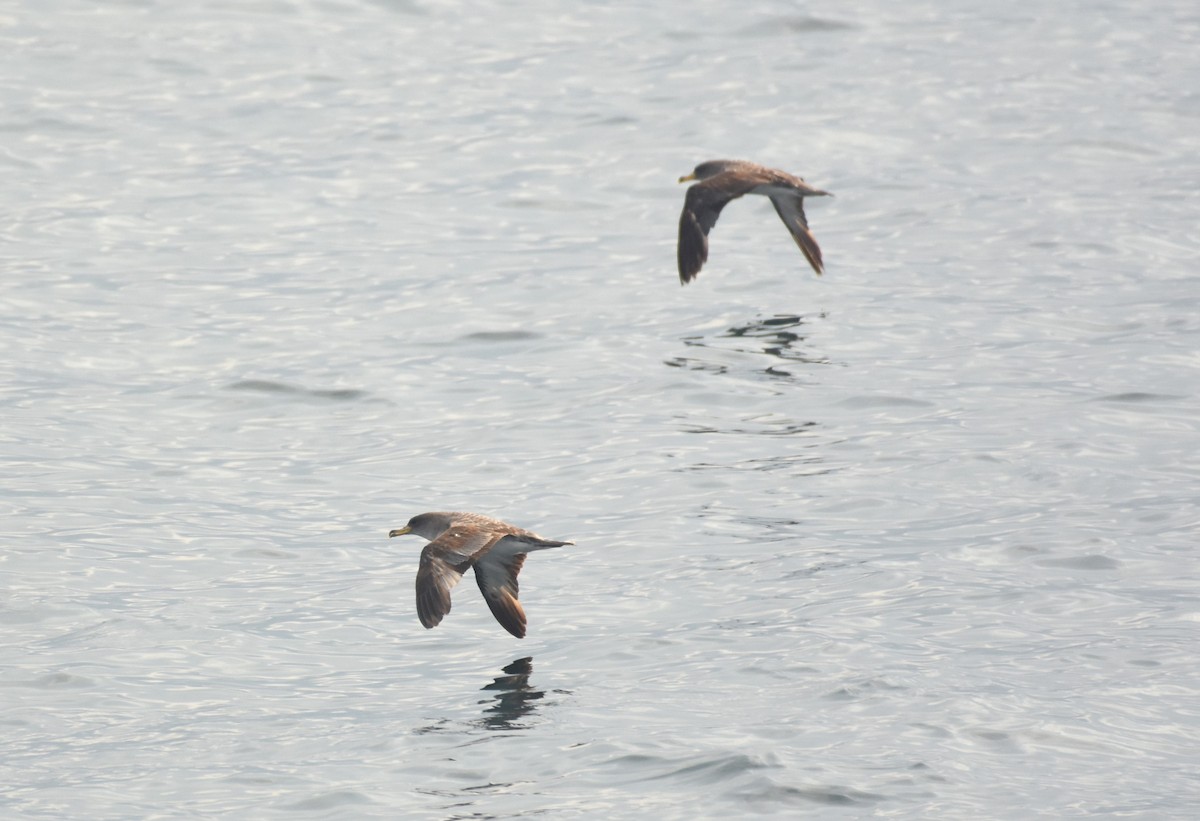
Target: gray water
point(912, 540)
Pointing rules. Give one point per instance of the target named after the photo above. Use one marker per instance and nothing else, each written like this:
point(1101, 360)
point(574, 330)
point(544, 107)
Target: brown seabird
point(720, 181)
point(458, 541)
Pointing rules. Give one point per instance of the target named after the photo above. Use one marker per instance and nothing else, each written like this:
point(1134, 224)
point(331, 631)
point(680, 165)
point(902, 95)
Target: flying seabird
point(718, 182)
point(458, 541)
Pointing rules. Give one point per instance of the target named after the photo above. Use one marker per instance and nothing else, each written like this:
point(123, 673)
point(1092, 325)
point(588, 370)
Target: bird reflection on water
point(777, 336)
point(514, 697)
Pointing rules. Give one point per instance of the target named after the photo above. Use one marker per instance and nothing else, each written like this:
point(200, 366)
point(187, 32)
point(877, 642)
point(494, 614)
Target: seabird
point(718, 182)
point(458, 541)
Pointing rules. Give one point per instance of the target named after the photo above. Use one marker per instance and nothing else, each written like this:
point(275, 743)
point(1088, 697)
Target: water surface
point(911, 540)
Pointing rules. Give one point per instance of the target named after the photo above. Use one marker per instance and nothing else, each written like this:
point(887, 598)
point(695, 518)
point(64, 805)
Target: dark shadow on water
point(514, 698)
point(510, 705)
point(778, 342)
point(792, 464)
point(779, 428)
point(792, 25)
point(499, 336)
point(284, 389)
point(1138, 397)
point(778, 337)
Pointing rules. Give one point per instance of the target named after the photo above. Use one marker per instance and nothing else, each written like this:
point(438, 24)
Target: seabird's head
point(709, 169)
point(427, 525)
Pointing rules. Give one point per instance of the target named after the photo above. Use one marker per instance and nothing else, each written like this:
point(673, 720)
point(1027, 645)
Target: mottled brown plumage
point(458, 541)
point(719, 182)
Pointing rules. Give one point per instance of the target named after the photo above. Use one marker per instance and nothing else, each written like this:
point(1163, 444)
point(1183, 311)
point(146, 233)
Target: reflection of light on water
point(774, 336)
